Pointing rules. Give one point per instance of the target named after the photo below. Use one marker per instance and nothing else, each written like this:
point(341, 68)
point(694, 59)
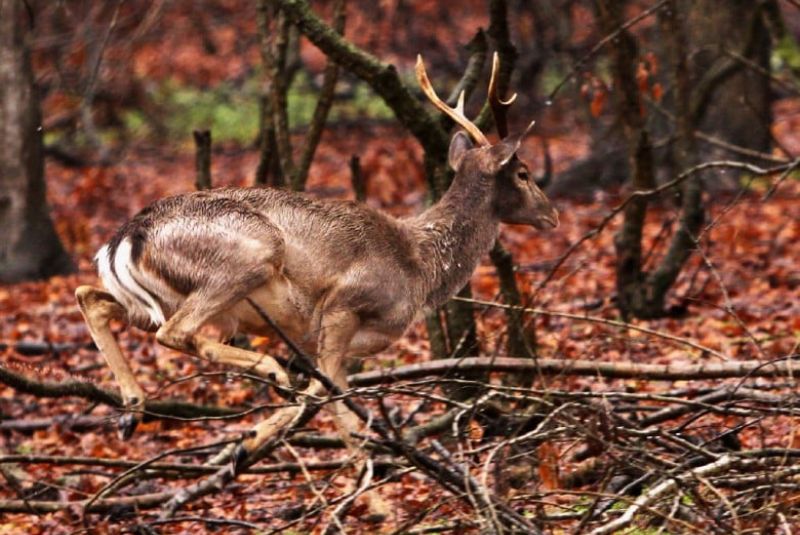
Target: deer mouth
point(547, 221)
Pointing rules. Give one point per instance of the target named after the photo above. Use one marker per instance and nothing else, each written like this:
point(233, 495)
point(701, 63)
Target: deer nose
point(552, 218)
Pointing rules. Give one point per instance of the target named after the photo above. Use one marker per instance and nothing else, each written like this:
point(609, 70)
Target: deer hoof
point(375, 518)
point(127, 424)
point(378, 510)
point(240, 455)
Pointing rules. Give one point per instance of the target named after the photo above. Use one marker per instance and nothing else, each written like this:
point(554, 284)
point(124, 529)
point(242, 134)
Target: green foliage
point(786, 55)
point(364, 103)
point(232, 113)
point(135, 121)
point(552, 75)
point(645, 531)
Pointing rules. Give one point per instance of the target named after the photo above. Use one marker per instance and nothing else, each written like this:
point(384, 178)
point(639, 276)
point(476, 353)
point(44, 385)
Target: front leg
point(338, 330)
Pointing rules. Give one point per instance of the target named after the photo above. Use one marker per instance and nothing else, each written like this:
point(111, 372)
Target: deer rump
point(290, 254)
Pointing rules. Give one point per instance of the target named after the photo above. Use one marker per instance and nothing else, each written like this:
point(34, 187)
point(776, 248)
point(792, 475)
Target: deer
point(340, 279)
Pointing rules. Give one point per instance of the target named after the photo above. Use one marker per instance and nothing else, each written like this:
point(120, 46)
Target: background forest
point(632, 371)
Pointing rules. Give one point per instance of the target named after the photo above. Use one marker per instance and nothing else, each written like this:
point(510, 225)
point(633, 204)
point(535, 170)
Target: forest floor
point(742, 292)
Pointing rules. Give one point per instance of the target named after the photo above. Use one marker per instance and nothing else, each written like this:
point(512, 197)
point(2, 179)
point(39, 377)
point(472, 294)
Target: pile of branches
point(510, 460)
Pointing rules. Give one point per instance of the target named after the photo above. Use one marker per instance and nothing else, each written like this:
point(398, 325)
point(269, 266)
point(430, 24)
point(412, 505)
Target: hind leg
point(98, 309)
point(181, 332)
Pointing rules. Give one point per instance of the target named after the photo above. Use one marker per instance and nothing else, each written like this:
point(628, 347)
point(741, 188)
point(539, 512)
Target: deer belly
point(283, 304)
point(367, 342)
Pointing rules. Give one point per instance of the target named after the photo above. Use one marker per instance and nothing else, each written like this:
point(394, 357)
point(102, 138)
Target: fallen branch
point(789, 367)
point(76, 423)
point(143, 501)
point(30, 348)
point(91, 392)
point(195, 469)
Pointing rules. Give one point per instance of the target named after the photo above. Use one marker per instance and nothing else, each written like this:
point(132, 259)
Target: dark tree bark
point(727, 51)
point(731, 100)
point(29, 245)
point(202, 143)
point(713, 89)
point(280, 55)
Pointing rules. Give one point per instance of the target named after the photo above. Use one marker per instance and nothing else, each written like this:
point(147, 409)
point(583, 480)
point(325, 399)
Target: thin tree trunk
point(202, 141)
point(29, 245)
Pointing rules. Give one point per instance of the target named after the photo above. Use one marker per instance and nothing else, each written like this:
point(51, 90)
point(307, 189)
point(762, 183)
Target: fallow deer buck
point(341, 279)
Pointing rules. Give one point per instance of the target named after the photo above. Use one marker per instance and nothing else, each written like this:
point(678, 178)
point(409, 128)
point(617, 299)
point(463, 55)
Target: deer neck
point(452, 235)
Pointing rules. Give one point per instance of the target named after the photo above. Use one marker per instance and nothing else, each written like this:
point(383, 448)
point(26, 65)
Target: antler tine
point(457, 113)
point(498, 105)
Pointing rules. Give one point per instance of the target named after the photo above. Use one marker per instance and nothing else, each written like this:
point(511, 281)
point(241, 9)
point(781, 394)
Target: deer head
point(516, 197)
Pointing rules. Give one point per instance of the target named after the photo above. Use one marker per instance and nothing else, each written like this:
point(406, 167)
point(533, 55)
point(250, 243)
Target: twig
point(344, 506)
point(604, 321)
point(314, 133)
point(751, 168)
point(603, 42)
point(65, 460)
point(205, 520)
point(202, 141)
point(447, 478)
point(357, 179)
point(646, 499)
point(144, 464)
point(88, 92)
point(382, 77)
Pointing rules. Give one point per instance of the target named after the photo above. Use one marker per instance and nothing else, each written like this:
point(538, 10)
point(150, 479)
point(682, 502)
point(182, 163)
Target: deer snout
point(548, 219)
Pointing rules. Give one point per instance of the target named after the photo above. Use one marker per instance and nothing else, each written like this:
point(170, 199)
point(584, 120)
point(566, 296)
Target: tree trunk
point(732, 100)
point(29, 245)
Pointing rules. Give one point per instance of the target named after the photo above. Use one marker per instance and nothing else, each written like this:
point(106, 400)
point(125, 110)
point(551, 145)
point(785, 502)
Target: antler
point(498, 105)
point(457, 113)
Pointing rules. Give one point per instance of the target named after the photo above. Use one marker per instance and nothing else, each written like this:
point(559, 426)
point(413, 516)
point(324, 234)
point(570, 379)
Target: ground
point(743, 296)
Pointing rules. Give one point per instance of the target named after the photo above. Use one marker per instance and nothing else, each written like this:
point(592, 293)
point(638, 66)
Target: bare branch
point(314, 133)
point(592, 368)
point(382, 77)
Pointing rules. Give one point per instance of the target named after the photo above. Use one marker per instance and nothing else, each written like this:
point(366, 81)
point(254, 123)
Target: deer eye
point(522, 174)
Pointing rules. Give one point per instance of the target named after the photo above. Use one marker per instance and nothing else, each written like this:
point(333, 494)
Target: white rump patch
point(124, 286)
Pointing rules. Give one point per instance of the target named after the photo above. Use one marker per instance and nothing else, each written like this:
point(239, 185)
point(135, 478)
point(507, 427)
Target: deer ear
point(503, 152)
point(459, 146)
